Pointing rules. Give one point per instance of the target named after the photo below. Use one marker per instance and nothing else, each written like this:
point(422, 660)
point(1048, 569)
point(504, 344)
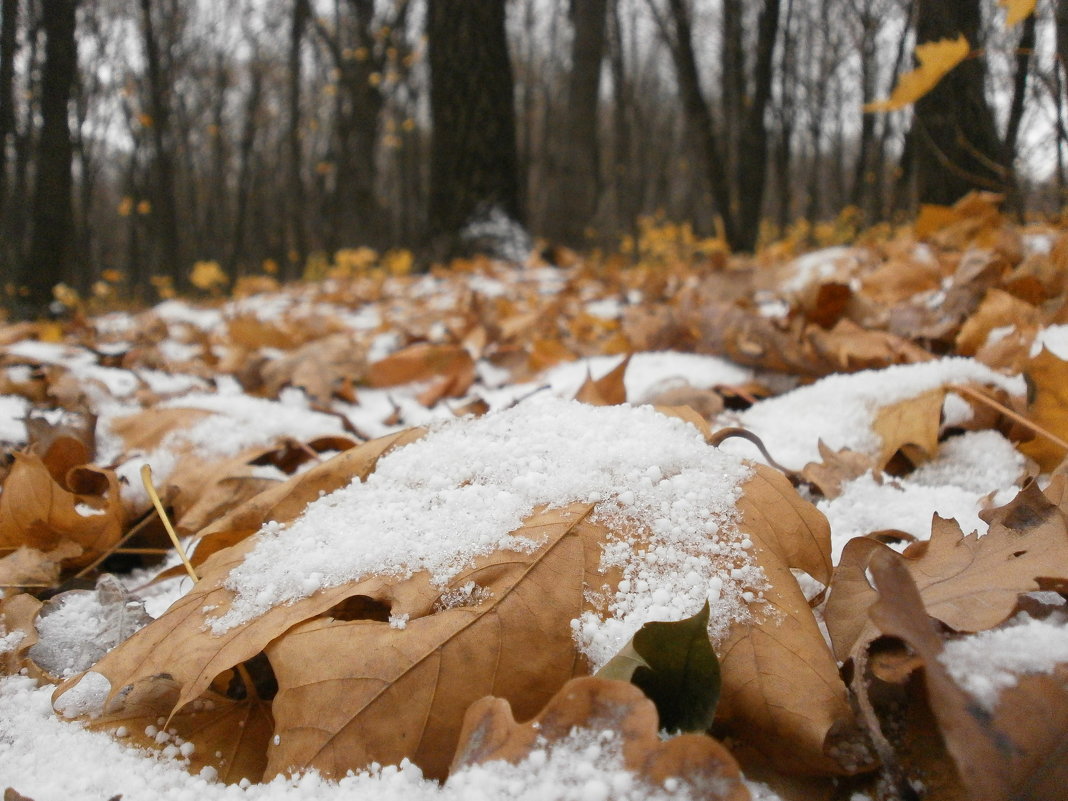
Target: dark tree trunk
point(752, 170)
point(164, 200)
point(53, 242)
point(473, 162)
point(579, 184)
point(9, 20)
point(1024, 50)
point(297, 196)
point(736, 159)
point(956, 146)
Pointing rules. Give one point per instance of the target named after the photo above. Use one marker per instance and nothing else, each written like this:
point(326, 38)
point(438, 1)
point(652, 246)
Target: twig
point(982, 397)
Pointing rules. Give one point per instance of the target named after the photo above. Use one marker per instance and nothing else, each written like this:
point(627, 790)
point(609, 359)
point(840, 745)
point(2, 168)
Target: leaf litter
point(501, 556)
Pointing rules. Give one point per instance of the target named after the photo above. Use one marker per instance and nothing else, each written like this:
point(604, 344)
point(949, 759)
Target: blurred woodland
point(138, 139)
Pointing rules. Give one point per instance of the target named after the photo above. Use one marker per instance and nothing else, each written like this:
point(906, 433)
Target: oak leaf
point(490, 732)
point(1016, 11)
point(229, 736)
point(970, 583)
point(376, 693)
point(781, 690)
point(1014, 753)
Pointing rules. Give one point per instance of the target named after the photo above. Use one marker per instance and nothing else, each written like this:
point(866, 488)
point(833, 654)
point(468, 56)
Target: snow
point(988, 662)
point(13, 409)
point(1053, 338)
point(48, 759)
point(436, 504)
point(840, 409)
point(956, 484)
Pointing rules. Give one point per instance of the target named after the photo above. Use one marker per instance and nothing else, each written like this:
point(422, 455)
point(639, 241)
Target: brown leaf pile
point(387, 667)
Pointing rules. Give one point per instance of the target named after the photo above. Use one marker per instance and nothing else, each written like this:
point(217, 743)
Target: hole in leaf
point(360, 607)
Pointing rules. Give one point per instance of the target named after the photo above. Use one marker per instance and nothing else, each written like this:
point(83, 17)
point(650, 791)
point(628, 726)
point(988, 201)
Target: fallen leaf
point(836, 469)
point(27, 568)
point(970, 583)
point(37, 512)
point(608, 390)
point(781, 691)
point(379, 693)
point(998, 310)
point(491, 733)
point(1048, 377)
point(227, 735)
point(1014, 753)
point(910, 426)
point(18, 614)
point(419, 363)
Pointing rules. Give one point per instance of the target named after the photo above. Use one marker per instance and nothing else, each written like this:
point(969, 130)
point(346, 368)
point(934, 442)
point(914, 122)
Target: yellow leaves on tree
point(935, 59)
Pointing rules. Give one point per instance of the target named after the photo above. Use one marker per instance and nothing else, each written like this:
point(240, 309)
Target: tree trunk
point(956, 145)
point(9, 20)
point(1024, 50)
point(579, 184)
point(752, 169)
point(297, 250)
point(473, 162)
point(164, 200)
point(53, 240)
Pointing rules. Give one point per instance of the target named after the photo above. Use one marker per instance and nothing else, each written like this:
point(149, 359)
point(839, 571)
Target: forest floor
point(415, 509)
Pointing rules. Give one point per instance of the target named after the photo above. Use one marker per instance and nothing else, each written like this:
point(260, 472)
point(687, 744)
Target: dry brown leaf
point(1016, 753)
point(420, 362)
point(490, 733)
point(970, 583)
point(320, 368)
point(27, 567)
point(781, 690)
point(19, 613)
point(1048, 375)
point(37, 512)
point(608, 390)
point(229, 736)
point(910, 426)
point(706, 402)
point(355, 691)
point(999, 309)
point(835, 469)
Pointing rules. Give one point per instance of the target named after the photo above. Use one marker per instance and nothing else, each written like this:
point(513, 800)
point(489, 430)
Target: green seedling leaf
point(675, 666)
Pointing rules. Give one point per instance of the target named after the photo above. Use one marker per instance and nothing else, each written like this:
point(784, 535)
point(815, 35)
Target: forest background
point(141, 139)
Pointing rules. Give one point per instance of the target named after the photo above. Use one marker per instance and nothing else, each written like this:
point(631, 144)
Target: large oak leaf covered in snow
point(501, 556)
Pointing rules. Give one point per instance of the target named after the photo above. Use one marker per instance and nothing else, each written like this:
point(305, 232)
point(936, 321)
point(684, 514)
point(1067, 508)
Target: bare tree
point(52, 244)
point(473, 161)
point(955, 144)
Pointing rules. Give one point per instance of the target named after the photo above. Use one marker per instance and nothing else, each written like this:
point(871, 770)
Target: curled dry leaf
point(970, 583)
point(27, 567)
point(608, 390)
point(38, 512)
point(18, 614)
point(490, 732)
point(1014, 753)
point(836, 469)
point(781, 690)
point(351, 692)
point(910, 426)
